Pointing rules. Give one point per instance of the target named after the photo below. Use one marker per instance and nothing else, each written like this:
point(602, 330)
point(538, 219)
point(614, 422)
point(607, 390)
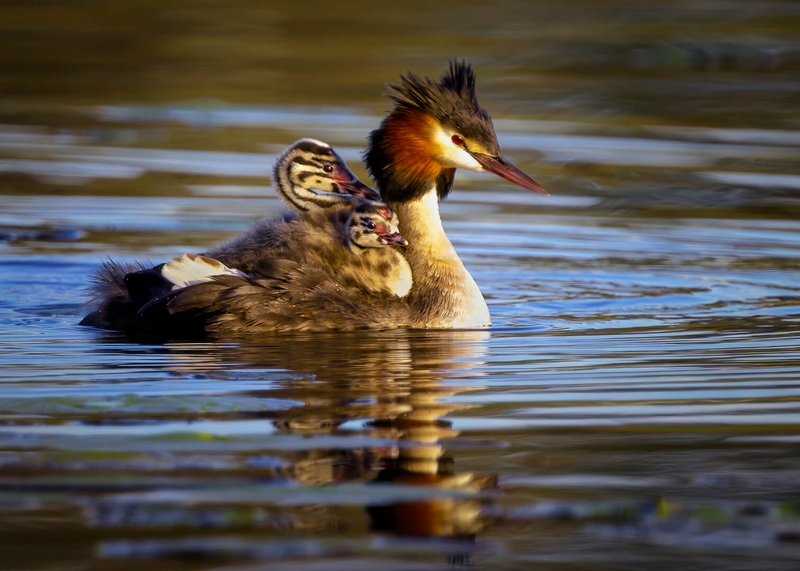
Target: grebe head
point(310, 173)
point(433, 129)
point(373, 225)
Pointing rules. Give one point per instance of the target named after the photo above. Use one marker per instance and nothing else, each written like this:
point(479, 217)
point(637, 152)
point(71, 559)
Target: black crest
point(452, 102)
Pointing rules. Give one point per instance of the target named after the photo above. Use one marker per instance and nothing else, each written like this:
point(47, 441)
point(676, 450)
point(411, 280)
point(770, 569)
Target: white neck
point(444, 293)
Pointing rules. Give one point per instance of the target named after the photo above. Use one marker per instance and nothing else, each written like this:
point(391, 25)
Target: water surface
point(635, 404)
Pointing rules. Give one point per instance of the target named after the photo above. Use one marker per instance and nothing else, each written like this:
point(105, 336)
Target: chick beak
point(394, 239)
point(349, 184)
point(501, 167)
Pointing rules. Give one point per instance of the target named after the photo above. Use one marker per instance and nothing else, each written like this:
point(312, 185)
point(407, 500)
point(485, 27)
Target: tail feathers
point(109, 279)
point(116, 309)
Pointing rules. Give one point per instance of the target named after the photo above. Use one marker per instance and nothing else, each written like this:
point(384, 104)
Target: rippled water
point(636, 404)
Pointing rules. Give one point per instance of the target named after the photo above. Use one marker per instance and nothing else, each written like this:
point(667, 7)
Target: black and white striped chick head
point(373, 225)
point(311, 174)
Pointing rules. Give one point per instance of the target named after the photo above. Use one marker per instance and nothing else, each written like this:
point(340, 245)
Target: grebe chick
point(309, 177)
point(372, 227)
point(311, 174)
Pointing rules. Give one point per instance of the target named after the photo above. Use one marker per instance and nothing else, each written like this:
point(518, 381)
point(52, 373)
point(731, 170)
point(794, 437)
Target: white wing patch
point(192, 269)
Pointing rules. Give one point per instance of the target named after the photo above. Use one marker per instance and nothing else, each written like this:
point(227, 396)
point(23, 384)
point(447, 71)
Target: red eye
point(457, 140)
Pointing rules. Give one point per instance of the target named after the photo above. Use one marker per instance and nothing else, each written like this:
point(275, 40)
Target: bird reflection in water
point(420, 459)
point(391, 388)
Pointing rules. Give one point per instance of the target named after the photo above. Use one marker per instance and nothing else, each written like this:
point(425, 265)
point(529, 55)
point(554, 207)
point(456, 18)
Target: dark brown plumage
point(340, 247)
point(328, 283)
point(284, 297)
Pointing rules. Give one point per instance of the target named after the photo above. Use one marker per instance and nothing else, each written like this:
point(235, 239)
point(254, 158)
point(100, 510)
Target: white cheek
point(462, 159)
point(451, 155)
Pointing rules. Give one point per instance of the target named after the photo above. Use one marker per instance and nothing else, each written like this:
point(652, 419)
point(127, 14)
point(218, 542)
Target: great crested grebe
point(270, 280)
point(339, 228)
point(433, 129)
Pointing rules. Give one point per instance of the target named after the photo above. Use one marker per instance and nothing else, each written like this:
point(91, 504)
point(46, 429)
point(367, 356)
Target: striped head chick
point(310, 174)
point(373, 225)
point(371, 232)
point(433, 129)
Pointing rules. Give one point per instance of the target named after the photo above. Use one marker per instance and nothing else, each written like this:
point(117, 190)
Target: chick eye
point(370, 224)
point(457, 140)
point(327, 168)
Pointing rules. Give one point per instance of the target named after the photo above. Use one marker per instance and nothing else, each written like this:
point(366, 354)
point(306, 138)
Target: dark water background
point(635, 406)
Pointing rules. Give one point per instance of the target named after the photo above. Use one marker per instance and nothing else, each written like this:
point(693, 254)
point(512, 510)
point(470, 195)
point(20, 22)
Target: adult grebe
point(433, 129)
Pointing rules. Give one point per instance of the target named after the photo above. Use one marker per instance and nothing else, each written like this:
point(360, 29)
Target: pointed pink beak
point(394, 239)
point(503, 168)
point(359, 189)
point(349, 184)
